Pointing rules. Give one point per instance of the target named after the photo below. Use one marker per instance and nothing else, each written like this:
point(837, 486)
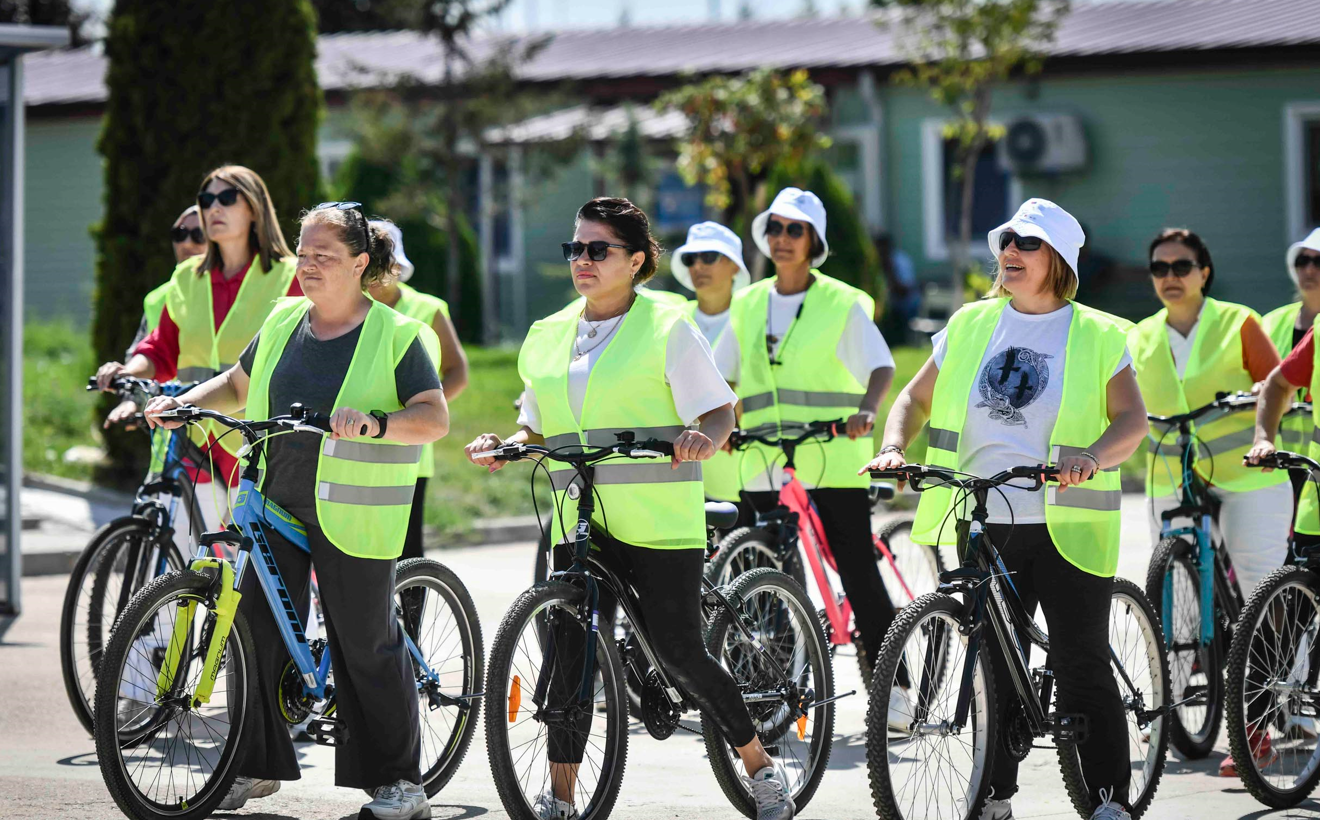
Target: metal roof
point(355, 60)
point(593, 123)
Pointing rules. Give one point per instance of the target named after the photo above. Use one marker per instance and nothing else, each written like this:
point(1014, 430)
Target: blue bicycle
point(178, 674)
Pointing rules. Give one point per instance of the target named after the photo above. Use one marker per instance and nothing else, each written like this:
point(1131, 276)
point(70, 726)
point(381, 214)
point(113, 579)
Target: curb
point(83, 489)
point(489, 531)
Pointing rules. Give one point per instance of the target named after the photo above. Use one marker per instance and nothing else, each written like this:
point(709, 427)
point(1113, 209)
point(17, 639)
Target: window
point(1312, 176)
point(993, 202)
point(1301, 157)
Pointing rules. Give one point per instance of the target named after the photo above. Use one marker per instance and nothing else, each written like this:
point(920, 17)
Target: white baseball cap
point(405, 266)
point(800, 206)
point(1044, 220)
point(1310, 243)
point(710, 236)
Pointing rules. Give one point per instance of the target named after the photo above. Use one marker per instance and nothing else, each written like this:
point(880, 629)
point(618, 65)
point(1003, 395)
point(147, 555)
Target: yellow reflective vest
point(1295, 431)
point(720, 473)
point(423, 307)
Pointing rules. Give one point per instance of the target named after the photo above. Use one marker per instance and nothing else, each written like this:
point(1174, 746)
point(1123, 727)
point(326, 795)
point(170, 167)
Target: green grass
point(57, 410)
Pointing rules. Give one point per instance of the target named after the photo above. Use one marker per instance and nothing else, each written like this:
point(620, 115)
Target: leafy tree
point(333, 16)
point(47, 13)
point(959, 50)
point(171, 116)
point(740, 129)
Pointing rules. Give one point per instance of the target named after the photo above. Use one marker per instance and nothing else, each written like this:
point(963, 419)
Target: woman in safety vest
point(341, 353)
point(647, 369)
point(1026, 377)
point(1287, 325)
point(802, 347)
point(212, 307)
point(433, 312)
point(710, 263)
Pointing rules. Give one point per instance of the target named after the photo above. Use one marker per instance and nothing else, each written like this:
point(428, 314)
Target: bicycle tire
point(983, 722)
point(1156, 750)
point(522, 617)
point(468, 631)
point(924, 564)
point(1193, 743)
point(722, 759)
point(756, 548)
point(152, 599)
point(1244, 639)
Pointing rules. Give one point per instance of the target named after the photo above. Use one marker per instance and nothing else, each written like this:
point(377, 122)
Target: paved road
point(48, 769)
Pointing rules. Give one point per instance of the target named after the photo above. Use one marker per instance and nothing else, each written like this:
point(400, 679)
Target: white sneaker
point(1108, 809)
point(769, 788)
point(245, 789)
point(399, 801)
point(996, 809)
point(549, 807)
point(900, 710)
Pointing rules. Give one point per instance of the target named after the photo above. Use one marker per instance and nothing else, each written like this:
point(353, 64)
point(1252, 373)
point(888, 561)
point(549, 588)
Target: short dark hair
point(1185, 237)
point(347, 225)
point(630, 224)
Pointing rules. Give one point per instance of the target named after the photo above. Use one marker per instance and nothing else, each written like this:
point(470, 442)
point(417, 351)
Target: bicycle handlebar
point(298, 419)
point(916, 476)
point(1285, 460)
point(126, 385)
point(650, 448)
point(1224, 402)
point(772, 434)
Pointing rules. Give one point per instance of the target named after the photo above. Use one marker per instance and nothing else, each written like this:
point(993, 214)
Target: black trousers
point(373, 675)
point(1076, 606)
point(668, 587)
point(412, 542)
point(846, 516)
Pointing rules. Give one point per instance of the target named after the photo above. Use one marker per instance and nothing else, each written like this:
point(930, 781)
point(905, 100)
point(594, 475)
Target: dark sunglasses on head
point(706, 257)
point(795, 230)
point(595, 251)
point(180, 234)
point(1304, 259)
point(350, 206)
point(226, 198)
point(1024, 243)
point(1179, 269)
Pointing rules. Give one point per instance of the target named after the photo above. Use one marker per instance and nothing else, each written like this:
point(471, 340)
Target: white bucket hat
point(405, 266)
point(710, 236)
point(1310, 243)
point(1044, 220)
point(800, 206)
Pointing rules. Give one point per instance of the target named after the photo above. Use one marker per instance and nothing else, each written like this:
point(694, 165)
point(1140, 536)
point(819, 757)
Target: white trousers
point(1253, 524)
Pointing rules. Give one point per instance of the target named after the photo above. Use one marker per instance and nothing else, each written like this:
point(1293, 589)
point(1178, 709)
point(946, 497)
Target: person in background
point(1287, 325)
point(904, 289)
point(452, 362)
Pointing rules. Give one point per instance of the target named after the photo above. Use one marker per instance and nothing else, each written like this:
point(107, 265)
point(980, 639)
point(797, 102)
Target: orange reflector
point(802, 727)
point(515, 698)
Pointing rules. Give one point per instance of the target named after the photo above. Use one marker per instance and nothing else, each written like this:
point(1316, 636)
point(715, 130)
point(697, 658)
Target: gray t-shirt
point(311, 371)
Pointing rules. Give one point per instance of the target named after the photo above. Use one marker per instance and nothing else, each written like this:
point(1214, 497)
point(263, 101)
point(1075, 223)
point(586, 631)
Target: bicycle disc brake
point(659, 714)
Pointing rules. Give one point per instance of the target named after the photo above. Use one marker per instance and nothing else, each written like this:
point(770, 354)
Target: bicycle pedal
point(1070, 729)
point(327, 732)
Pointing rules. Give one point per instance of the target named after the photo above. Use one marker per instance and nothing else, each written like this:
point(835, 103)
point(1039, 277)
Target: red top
point(1298, 364)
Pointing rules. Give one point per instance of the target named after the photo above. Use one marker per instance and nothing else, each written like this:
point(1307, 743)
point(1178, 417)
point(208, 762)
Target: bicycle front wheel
point(1272, 691)
point(932, 768)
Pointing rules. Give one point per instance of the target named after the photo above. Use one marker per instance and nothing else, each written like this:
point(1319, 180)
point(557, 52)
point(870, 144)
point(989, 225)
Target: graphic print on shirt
point(1010, 381)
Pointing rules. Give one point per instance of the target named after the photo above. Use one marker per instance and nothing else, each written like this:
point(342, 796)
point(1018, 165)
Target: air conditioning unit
point(1043, 144)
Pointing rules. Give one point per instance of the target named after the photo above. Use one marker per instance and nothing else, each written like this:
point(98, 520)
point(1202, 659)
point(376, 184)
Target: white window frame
point(1296, 116)
point(932, 193)
point(329, 151)
point(867, 139)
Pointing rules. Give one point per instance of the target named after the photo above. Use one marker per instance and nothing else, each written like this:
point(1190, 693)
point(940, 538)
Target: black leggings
point(668, 588)
point(412, 542)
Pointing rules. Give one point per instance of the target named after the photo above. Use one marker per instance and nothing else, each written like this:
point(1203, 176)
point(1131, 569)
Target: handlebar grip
point(664, 448)
point(899, 474)
point(318, 420)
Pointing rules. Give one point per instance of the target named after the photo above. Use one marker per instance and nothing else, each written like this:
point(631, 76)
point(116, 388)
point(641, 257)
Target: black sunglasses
point(1304, 259)
point(350, 206)
point(226, 198)
point(178, 235)
point(1179, 269)
point(795, 230)
point(706, 257)
point(595, 251)
point(1024, 243)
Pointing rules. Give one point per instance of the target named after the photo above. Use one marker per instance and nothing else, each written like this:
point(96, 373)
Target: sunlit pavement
point(48, 768)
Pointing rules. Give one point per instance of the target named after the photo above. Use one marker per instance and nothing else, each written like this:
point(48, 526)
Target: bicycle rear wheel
point(749, 548)
point(162, 755)
point(782, 671)
point(916, 567)
point(931, 770)
point(1272, 691)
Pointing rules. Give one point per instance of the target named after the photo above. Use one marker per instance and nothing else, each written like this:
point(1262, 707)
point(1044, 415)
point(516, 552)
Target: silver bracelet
point(890, 448)
point(1091, 456)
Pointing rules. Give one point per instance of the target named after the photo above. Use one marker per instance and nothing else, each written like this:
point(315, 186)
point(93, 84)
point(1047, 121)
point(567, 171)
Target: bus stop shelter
point(15, 41)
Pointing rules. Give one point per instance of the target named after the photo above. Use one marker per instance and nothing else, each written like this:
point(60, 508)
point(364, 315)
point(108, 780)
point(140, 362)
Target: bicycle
point(908, 569)
point(1271, 673)
point(166, 742)
point(762, 628)
point(940, 641)
point(126, 553)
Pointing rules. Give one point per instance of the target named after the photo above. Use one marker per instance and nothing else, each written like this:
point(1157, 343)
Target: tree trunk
point(961, 253)
point(453, 202)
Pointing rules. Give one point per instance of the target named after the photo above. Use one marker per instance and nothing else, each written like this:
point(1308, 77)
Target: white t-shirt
point(1181, 346)
point(1012, 410)
point(711, 325)
point(690, 371)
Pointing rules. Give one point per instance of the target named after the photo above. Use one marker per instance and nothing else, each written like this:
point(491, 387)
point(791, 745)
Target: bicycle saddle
point(720, 515)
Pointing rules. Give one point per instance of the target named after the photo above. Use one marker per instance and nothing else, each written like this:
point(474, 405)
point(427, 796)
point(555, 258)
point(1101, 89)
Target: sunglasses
point(795, 230)
point(226, 198)
point(1179, 269)
point(1304, 259)
point(1024, 243)
point(350, 206)
point(179, 235)
point(706, 257)
point(595, 251)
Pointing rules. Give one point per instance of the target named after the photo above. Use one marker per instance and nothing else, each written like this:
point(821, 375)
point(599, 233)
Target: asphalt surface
point(48, 767)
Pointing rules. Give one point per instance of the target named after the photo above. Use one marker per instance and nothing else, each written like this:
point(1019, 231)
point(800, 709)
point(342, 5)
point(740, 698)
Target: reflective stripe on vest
point(638, 472)
point(200, 374)
point(607, 436)
point(943, 439)
point(366, 496)
point(369, 453)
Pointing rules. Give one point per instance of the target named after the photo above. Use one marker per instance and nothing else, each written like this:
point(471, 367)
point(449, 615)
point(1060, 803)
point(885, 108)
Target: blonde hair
point(265, 239)
point(1060, 280)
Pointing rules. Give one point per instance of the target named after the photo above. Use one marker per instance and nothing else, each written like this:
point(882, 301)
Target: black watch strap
point(382, 421)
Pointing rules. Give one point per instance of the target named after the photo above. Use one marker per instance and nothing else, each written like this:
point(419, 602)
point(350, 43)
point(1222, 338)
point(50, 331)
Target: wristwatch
point(382, 421)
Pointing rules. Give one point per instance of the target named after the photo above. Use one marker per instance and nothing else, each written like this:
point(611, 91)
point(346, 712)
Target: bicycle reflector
point(515, 698)
point(802, 727)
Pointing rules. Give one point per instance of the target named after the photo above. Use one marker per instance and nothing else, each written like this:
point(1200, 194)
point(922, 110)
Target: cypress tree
point(192, 86)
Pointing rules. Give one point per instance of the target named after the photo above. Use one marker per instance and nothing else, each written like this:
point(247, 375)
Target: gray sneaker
point(245, 789)
point(549, 807)
point(769, 788)
point(399, 801)
point(996, 809)
point(1108, 809)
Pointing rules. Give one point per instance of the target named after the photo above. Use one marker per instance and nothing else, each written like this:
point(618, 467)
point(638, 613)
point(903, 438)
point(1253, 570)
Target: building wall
point(63, 200)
